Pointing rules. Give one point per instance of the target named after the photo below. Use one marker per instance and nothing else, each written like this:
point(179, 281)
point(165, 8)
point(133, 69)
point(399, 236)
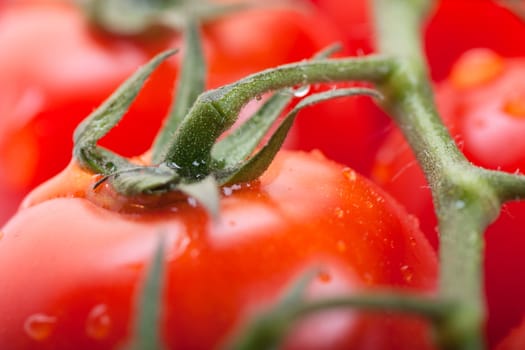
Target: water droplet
point(349, 174)
point(407, 273)
point(369, 204)
point(227, 191)
point(192, 202)
point(412, 240)
point(173, 165)
point(459, 204)
point(98, 323)
point(39, 326)
point(301, 91)
point(324, 276)
point(339, 213)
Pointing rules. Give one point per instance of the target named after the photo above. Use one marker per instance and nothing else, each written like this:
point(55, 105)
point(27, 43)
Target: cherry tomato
point(483, 104)
point(455, 26)
point(74, 258)
point(56, 68)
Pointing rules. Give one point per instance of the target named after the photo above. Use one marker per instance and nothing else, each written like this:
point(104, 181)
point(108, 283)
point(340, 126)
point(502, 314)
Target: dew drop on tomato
point(39, 326)
point(349, 174)
point(339, 213)
point(98, 323)
point(407, 272)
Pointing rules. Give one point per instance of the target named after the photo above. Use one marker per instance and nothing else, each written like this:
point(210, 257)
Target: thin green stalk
point(465, 201)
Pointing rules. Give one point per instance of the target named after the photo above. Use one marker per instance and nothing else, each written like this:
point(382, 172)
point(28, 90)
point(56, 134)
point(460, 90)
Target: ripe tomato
point(56, 68)
point(450, 32)
point(74, 257)
point(483, 104)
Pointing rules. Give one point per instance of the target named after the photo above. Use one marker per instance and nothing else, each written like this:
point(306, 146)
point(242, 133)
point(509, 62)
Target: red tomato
point(483, 103)
point(458, 25)
point(74, 257)
point(56, 68)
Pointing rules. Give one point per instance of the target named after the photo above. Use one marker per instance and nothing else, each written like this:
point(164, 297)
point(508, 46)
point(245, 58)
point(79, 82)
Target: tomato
point(57, 67)
point(73, 259)
point(483, 104)
point(449, 32)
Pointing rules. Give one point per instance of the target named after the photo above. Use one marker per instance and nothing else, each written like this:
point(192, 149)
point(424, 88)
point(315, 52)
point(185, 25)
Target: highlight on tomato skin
point(78, 266)
point(78, 65)
point(482, 108)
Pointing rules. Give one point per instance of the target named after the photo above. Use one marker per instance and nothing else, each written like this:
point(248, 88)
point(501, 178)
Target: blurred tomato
point(56, 67)
point(458, 25)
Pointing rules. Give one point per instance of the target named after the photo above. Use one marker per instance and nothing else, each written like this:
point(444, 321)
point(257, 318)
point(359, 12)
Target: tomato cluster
point(77, 252)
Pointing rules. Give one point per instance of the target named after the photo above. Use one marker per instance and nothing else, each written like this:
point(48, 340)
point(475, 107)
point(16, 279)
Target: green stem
point(268, 330)
point(217, 110)
point(465, 201)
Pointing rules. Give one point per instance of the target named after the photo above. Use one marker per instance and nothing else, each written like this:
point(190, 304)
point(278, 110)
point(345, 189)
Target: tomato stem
point(146, 334)
point(269, 329)
point(465, 200)
point(215, 111)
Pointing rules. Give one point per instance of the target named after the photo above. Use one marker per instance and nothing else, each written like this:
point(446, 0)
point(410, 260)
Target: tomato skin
point(482, 109)
point(66, 256)
point(515, 340)
point(78, 66)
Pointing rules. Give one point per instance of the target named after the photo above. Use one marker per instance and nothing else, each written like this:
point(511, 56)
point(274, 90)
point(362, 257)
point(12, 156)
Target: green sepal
point(191, 83)
point(106, 116)
point(256, 165)
point(146, 326)
point(136, 180)
point(240, 144)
